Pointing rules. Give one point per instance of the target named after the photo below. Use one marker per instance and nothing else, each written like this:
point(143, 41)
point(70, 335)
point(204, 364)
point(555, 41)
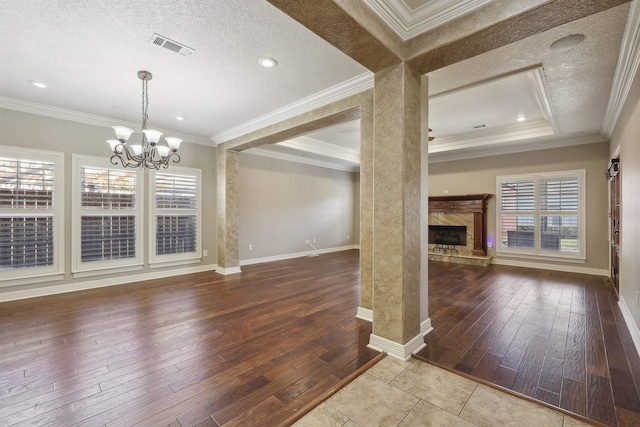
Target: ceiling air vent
point(173, 46)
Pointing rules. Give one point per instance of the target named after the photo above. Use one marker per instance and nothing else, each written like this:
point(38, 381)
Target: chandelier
point(148, 154)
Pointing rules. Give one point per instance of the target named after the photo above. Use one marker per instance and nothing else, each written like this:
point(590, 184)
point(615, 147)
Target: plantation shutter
point(26, 213)
point(176, 204)
point(108, 220)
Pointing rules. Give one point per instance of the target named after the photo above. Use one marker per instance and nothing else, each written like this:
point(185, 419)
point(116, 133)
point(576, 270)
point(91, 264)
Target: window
point(542, 214)
point(30, 213)
point(107, 212)
point(175, 209)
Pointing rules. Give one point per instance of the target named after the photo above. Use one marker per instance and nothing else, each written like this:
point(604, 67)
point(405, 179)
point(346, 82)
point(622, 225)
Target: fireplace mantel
point(475, 204)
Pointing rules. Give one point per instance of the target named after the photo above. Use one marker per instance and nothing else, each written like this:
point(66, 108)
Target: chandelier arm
point(114, 160)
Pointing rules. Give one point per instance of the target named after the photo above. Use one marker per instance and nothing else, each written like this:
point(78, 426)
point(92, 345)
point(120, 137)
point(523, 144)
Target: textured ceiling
point(90, 51)
point(577, 81)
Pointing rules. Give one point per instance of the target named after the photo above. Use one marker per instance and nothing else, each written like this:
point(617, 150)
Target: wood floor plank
point(250, 348)
point(574, 362)
point(574, 396)
point(596, 357)
point(566, 343)
point(600, 406)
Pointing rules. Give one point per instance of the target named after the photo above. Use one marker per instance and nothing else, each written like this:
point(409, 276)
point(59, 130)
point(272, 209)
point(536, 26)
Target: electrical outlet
point(307, 241)
point(314, 240)
point(250, 247)
point(205, 252)
point(348, 237)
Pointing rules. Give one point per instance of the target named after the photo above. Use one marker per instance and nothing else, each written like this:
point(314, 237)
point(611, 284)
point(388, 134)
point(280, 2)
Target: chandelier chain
point(145, 104)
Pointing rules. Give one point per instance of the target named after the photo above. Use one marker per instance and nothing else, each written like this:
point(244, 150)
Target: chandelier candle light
point(148, 154)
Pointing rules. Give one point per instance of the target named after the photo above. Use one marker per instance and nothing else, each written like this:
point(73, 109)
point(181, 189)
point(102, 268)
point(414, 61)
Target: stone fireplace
point(458, 229)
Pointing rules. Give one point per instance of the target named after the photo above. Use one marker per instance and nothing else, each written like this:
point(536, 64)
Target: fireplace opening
point(452, 235)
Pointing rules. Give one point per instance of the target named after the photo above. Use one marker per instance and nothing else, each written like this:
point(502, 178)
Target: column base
point(365, 314)
point(228, 270)
point(401, 351)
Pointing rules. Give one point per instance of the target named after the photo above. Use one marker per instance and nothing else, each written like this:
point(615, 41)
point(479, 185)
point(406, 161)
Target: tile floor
point(418, 394)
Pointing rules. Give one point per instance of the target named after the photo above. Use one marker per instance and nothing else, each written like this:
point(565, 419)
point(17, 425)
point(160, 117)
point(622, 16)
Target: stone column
point(425, 321)
point(228, 210)
point(365, 310)
point(396, 212)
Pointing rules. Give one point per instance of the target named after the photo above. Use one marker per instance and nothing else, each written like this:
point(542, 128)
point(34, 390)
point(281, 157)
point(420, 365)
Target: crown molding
point(410, 23)
point(312, 145)
point(516, 147)
point(86, 118)
point(544, 98)
point(488, 137)
point(299, 159)
point(335, 93)
point(628, 63)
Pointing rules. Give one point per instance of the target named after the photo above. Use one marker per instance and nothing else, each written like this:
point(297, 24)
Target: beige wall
point(476, 176)
point(284, 203)
point(627, 136)
point(25, 130)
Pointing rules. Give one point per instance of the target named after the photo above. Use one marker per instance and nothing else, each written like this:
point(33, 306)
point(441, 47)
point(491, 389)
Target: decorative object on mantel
point(475, 207)
point(148, 154)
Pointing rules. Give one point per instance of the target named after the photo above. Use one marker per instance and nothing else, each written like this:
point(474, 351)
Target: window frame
point(17, 276)
point(91, 268)
point(538, 213)
point(164, 260)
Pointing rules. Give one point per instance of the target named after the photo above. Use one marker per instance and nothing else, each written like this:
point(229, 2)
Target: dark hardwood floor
point(557, 337)
point(254, 349)
point(201, 349)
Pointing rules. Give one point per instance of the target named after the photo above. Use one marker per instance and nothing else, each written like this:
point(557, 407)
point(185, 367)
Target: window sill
point(174, 263)
point(27, 280)
point(103, 271)
point(542, 257)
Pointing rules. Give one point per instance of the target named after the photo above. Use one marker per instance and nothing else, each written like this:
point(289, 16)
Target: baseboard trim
point(228, 270)
point(393, 349)
point(555, 267)
point(100, 283)
point(295, 255)
point(631, 324)
point(425, 327)
point(365, 314)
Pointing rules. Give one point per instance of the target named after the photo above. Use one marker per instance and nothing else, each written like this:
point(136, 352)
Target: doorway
point(613, 173)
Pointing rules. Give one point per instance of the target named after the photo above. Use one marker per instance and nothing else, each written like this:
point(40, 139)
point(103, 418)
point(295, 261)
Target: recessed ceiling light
point(180, 117)
point(521, 118)
point(267, 62)
point(39, 84)
point(567, 43)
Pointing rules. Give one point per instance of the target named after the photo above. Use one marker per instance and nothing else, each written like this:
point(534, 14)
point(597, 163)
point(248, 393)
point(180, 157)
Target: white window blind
point(542, 214)
point(27, 215)
point(108, 221)
point(176, 210)
point(106, 216)
point(30, 213)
